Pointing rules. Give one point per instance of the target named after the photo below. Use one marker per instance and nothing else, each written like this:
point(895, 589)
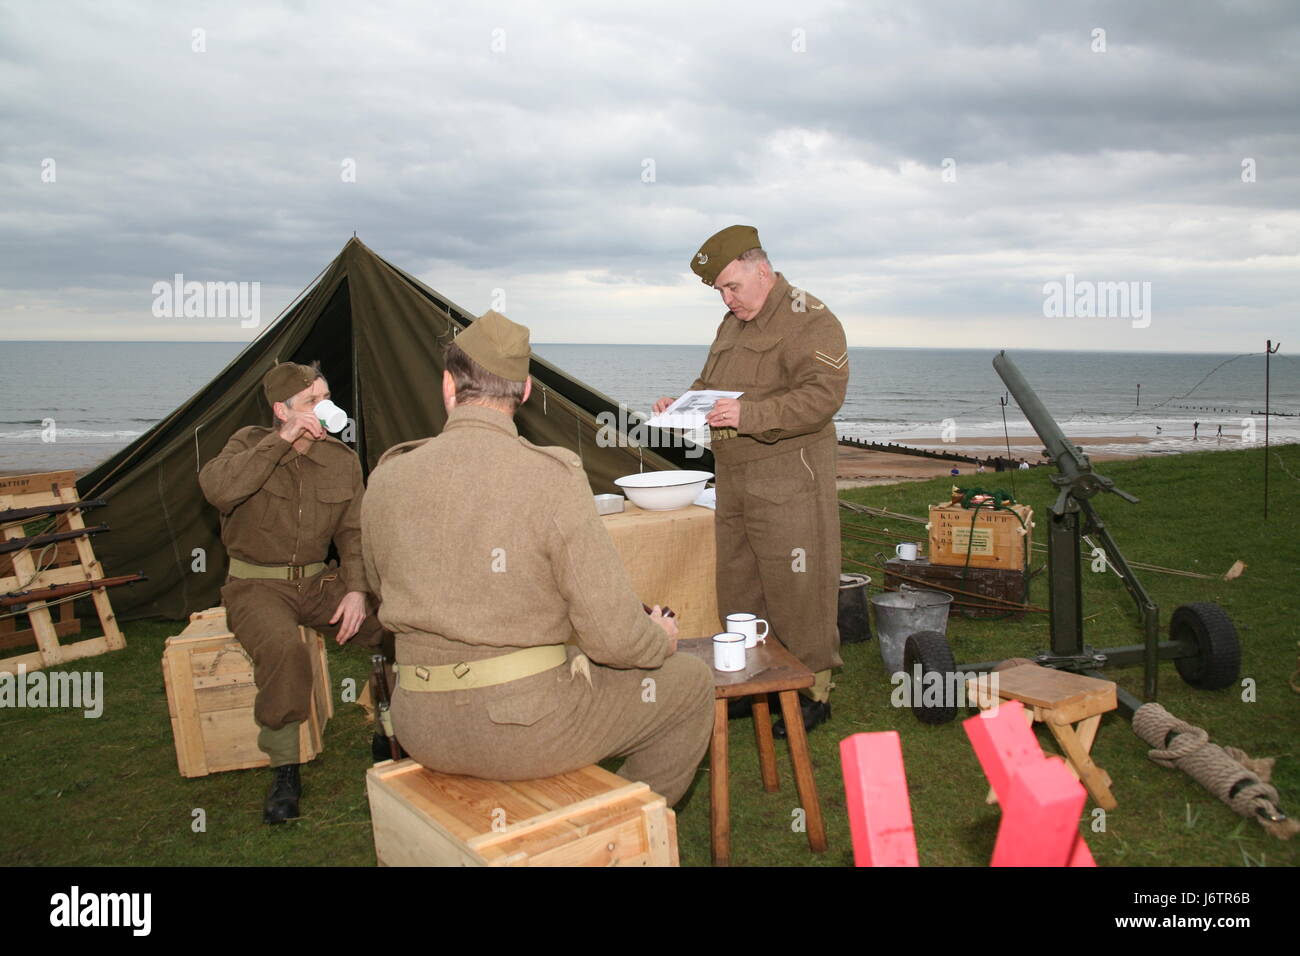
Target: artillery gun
point(1203, 642)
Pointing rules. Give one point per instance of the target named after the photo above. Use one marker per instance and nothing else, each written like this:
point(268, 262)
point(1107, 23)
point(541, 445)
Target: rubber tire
point(930, 649)
point(1218, 661)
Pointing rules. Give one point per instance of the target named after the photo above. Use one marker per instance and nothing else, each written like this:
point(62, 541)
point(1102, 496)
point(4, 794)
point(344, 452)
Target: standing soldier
point(284, 493)
point(522, 650)
point(777, 523)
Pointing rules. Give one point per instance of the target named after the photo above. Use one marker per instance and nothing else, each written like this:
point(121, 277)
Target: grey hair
point(755, 256)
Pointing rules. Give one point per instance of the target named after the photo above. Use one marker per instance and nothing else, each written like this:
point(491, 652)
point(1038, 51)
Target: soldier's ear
point(528, 389)
point(280, 411)
point(448, 391)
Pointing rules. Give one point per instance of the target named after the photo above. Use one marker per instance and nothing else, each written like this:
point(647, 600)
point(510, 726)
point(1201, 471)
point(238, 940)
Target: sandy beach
point(861, 467)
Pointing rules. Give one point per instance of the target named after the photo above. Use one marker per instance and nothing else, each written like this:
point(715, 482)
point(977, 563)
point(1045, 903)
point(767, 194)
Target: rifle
point(22, 514)
point(17, 544)
point(21, 598)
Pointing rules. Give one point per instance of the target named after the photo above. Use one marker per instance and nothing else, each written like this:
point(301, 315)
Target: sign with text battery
point(989, 539)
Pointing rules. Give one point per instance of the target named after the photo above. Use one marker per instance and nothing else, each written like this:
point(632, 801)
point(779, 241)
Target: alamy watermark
point(1085, 299)
point(83, 691)
point(621, 431)
point(208, 300)
point(938, 689)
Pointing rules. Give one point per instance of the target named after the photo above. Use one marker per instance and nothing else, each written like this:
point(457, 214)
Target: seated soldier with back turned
point(488, 556)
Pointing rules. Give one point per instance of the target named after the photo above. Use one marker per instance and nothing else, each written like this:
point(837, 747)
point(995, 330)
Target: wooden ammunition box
point(210, 693)
point(995, 540)
point(588, 817)
point(986, 582)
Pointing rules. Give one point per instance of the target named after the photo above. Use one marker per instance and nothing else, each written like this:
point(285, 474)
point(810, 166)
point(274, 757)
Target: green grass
point(107, 791)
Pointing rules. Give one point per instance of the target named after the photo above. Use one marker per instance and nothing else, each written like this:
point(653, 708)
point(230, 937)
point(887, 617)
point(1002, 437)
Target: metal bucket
point(854, 621)
point(900, 614)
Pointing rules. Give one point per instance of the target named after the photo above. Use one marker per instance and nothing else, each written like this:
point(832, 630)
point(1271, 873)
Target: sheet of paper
point(689, 410)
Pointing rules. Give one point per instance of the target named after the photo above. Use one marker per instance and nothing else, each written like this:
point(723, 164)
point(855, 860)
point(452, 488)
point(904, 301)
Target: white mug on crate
point(729, 651)
point(908, 550)
point(747, 624)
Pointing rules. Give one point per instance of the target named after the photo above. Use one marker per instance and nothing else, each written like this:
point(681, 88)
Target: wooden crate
point(210, 693)
point(987, 582)
point(588, 817)
point(996, 540)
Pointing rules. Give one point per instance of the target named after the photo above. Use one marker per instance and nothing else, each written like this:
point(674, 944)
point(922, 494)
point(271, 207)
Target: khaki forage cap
point(286, 380)
point(721, 249)
point(499, 345)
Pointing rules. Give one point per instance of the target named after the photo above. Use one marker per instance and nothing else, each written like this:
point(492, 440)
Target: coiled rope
point(1232, 775)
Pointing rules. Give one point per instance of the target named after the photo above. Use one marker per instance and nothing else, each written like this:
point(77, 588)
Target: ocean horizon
point(99, 396)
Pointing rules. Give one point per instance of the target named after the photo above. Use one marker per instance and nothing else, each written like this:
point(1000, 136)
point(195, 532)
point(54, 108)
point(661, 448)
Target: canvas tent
point(379, 334)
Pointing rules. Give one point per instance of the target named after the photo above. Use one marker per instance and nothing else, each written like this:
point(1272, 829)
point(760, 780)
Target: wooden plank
point(186, 731)
point(1092, 776)
point(23, 581)
point(769, 668)
point(766, 749)
point(94, 570)
point(719, 786)
point(875, 787)
point(36, 489)
point(417, 820)
point(406, 836)
point(613, 800)
point(1046, 687)
point(10, 639)
point(38, 613)
point(805, 783)
point(466, 806)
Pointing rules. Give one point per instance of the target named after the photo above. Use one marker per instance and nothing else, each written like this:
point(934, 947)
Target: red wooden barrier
point(875, 785)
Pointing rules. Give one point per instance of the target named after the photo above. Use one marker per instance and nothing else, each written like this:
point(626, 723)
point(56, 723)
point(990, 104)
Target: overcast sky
point(575, 155)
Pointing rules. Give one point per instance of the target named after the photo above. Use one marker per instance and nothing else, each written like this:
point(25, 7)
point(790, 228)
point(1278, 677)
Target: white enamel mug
point(747, 624)
point(906, 551)
point(331, 416)
point(729, 651)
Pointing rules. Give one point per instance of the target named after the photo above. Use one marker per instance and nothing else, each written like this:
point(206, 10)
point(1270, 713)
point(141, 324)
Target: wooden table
point(770, 668)
point(670, 558)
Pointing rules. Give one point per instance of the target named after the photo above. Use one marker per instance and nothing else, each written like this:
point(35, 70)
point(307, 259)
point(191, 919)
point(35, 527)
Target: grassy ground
point(106, 791)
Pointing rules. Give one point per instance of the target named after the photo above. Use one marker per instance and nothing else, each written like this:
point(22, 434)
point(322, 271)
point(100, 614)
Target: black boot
point(282, 802)
point(814, 713)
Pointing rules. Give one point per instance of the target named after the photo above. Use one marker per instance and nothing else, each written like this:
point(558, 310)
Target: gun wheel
point(930, 649)
point(1217, 661)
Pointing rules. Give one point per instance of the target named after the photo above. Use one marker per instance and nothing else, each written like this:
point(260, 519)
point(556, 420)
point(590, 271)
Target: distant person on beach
point(1195, 427)
point(1219, 433)
point(979, 468)
point(1159, 429)
point(284, 494)
point(777, 525)
point(1023, 466)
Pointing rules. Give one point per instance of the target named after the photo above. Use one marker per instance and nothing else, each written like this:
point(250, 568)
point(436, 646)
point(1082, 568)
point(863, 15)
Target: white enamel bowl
point(663, 490)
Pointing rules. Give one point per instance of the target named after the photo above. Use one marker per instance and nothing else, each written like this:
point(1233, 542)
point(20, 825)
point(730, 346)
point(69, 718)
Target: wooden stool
point(1070, 704)
point(770, 668)
point(588, 817)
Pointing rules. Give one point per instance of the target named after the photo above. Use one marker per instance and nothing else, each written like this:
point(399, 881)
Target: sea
point(73, 404)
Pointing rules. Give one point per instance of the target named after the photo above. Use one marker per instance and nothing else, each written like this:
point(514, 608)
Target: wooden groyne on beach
point(996, 462)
